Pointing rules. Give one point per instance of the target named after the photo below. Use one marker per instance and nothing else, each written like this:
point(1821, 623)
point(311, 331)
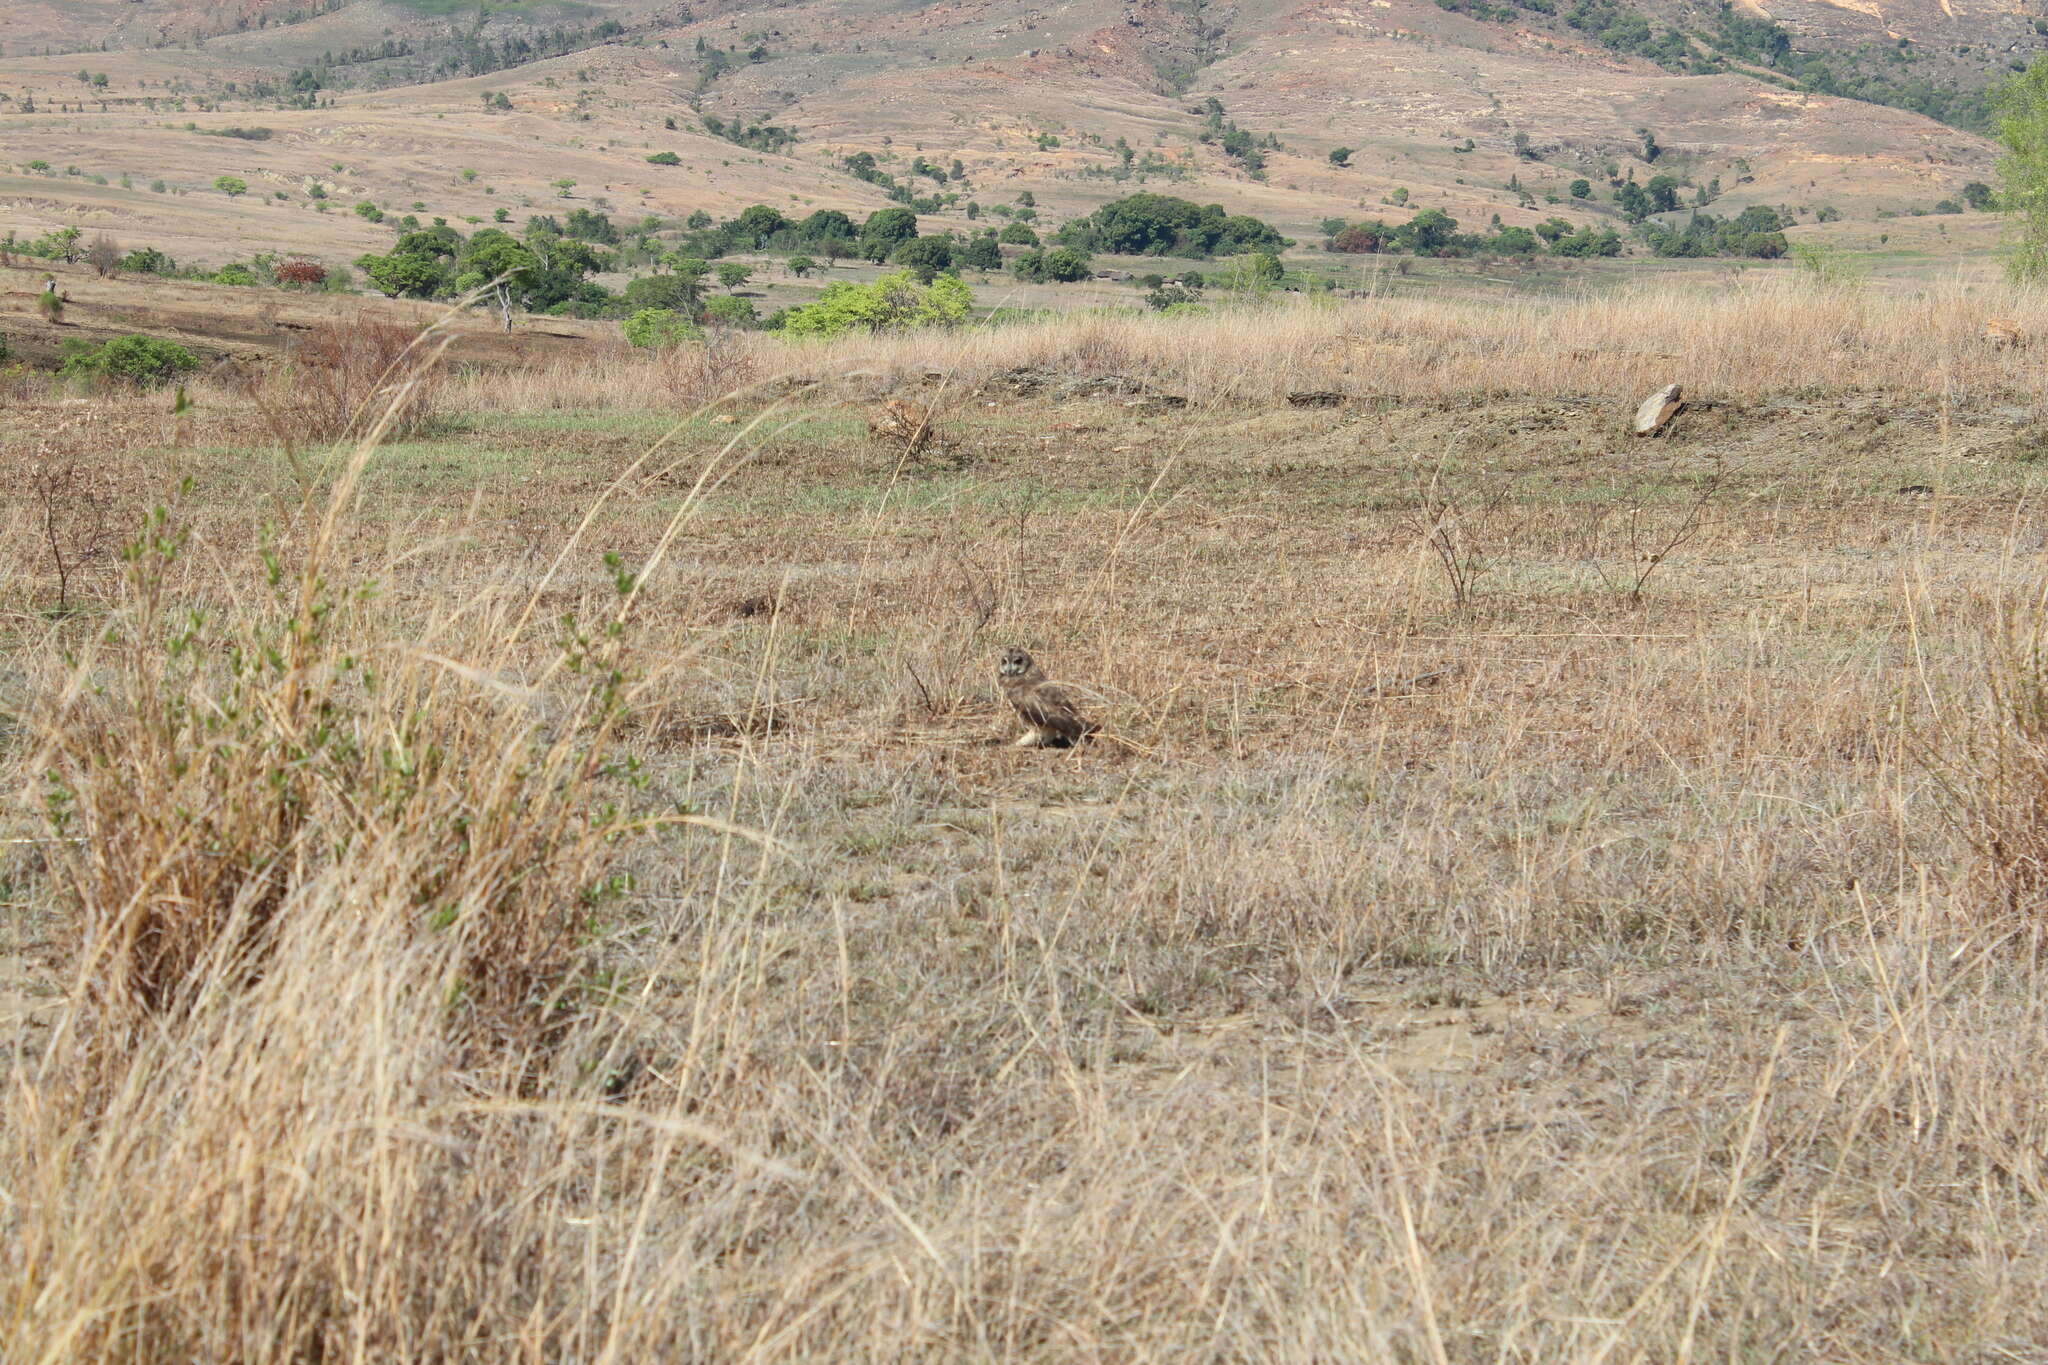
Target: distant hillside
point(1515, 111)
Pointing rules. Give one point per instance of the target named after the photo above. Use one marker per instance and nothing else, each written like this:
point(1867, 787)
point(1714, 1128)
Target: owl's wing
point(1053, 708)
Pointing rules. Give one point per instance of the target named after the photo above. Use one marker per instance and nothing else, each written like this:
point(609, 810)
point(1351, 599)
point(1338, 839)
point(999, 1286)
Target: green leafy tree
point(496, 261)
point(1588, 243)
point(1066, 264)
point(924, 257)
point(680, 293)
point(1017, 234)
point(731, 275)
point(1663, 192)
point(1341, 156)
point(148, 261)
point(1428, 232)
point(757, 223)
point(1634, 203)
point(588, 225)
point(727, 311)
point(892, 303)
point(981, 253)
point(885, 230)
point(826, 224)
point(1164, 224)
point(404, 275)
point(231, 186)
point(1514, 241)
point(800, 266)
point(1582, 189)
point(660, 328)
point(664, 159)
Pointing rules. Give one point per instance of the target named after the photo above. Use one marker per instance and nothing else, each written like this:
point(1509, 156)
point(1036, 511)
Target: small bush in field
point(727, 311)
point(104, 256)
point(303, 274)
point(144, 361)
point(148, 261)
point(231, 186)
point(345, 376)
point(660, 328)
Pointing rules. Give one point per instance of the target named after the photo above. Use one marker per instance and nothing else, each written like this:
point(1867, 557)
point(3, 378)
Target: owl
point(1051, 717)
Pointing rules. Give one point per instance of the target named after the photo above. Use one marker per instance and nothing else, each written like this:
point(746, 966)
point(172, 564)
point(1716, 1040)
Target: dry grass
point(1631, 990)
point(1772, 335)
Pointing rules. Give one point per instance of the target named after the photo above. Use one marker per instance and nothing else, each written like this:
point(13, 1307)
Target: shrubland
point(551, 882)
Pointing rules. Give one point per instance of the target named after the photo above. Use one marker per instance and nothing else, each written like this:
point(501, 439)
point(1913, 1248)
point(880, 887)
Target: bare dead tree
point(74, 510)
point(1646, 542)
point(104, 255)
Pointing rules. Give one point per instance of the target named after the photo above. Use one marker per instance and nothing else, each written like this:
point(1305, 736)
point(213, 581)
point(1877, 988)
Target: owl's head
point(1015, 663)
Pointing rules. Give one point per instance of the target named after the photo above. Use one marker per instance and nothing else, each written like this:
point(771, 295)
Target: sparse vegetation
point(148, 362)
point(892, 303)
point(406, 852)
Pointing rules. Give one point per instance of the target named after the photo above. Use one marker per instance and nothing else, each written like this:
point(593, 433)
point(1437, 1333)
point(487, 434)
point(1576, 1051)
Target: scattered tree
point(660, 328)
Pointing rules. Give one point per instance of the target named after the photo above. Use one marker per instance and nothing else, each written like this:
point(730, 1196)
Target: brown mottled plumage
point(1051, 717)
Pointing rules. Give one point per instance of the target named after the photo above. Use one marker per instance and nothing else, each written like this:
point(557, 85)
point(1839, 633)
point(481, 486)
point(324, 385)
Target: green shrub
point(660, 328)
point(235, 273)
point(231, 186)
point(892, 303)
point(728, 311)
point(144, 361)
point(664, 159)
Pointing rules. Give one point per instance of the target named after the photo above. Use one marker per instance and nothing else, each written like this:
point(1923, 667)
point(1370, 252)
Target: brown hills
point(1046, 98)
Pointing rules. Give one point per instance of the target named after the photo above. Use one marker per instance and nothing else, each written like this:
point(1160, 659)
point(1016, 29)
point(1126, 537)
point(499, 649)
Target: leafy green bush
point(660, 328)
point(664, 159)
point(892, 303)
point(231, 186)
point(144, 361)
point(1062, 265)
point(235, 273)
point(727, 311)
point(1161, 224)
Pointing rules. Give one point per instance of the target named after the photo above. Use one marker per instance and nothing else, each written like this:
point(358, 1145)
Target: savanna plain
point(525, 862)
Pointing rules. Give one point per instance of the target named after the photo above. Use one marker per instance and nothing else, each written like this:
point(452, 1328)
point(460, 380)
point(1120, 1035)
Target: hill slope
point(1491, 112)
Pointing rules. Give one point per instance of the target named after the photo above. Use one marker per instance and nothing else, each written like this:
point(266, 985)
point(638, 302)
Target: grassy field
point(556, 886)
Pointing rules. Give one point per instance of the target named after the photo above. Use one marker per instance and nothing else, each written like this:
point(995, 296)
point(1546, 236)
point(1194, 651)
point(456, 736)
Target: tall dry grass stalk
point(1987, 747)
point(1747, 340)
point(330, 896)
